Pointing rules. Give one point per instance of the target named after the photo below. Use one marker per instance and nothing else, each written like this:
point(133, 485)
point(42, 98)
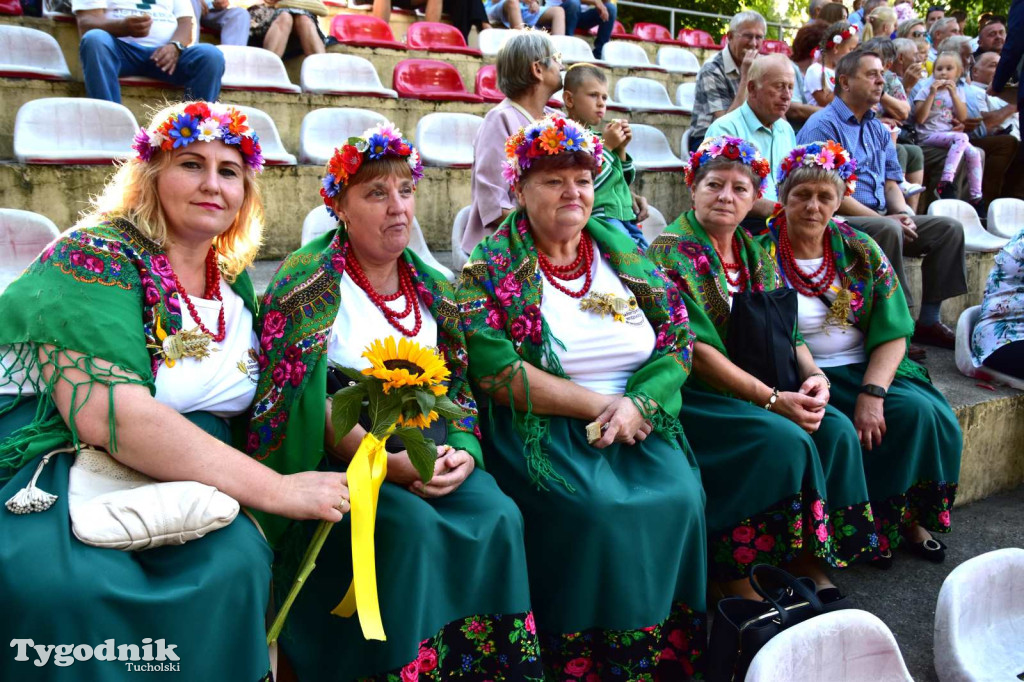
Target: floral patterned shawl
point(878, 306)
point(500, 292)
point(286, 431)
point(97, 292)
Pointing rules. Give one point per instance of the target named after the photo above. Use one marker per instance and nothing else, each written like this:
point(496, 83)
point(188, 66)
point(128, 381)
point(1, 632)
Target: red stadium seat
point(433, 37)
point(431, 80)
point(775, 47)
point(689, 37)
point(364, 31)
point(656, 33)
point(698, 38)
point(10, 8)
point(618, 33)
point(487, 84)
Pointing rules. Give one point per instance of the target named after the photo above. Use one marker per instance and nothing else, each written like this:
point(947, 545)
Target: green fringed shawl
point(91, 299)
point(878, 305)
point(286, 431)
point(500, 292)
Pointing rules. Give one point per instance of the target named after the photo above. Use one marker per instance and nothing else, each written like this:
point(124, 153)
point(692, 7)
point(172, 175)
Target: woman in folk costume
point(582, 347)
point(450, 562)
point(133, 332)
point(782, 470)
point(855, 321)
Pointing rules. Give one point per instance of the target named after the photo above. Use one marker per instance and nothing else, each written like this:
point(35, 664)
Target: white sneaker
point(911, 189)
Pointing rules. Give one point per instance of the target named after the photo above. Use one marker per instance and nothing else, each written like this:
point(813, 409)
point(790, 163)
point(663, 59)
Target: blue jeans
point(629, 228)
point(105, 58)
point(576, 18)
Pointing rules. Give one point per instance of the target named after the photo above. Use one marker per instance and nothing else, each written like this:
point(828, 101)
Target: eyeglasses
point(917, 34)
point(752, 36)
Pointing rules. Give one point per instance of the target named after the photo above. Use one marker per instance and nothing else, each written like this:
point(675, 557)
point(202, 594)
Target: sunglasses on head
point(987, 19)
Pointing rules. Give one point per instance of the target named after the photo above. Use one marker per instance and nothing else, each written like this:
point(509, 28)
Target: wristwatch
point(875, 390)
point(177, 44)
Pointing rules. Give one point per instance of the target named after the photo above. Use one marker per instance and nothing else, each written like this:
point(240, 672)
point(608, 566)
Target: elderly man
point(722, 81)
point(877, 206)
point(813, 7)
point(908, 65)
point(231, 23)
point(940, 30)
point(984, 68)
point(992, 35)
point(762, 120)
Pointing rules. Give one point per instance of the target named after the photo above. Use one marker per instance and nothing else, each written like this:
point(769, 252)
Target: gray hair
point(814, 6)
point(744, 18)
point(516, 58)
point(884, 47)
point(941, 24)
point(765, 62)
point(902, 45)
point(903, 29)
point(954, 44)
point(803, 174)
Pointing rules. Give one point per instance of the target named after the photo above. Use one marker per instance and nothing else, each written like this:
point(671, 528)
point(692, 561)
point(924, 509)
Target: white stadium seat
point(843, 646)
point(459, 257)
point(684, 145)
point(446, 139)
point(274, 153)
point(644, 94)
point(575, 50)
point(654, 225)
point(317, 222)
point(685, 95)
point(650, 150)
point(629, 55)
point(341, 74)
point(490, 40)
point(965, 361)
point(23, 235)
point(253, 68)
point(975, 236)
point(418, 243)
point(1006, 217)
point(324, 129)
point(28, 53)
point(678, 60)
point(90, 131)
point(979, 619)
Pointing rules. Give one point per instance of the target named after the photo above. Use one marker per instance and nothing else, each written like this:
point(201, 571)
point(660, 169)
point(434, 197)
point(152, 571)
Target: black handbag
point(760, 338)
point(743, 626)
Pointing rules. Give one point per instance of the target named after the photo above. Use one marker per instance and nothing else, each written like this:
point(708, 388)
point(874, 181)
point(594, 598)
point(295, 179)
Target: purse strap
point(786, 585)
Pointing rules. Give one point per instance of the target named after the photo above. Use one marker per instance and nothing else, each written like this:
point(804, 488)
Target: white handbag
point(115, 507)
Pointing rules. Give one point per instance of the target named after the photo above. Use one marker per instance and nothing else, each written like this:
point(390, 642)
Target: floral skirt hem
point(488, 647)
point(670, 650)
point(927, 503)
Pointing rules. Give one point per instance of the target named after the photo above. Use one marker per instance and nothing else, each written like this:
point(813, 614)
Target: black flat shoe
point(883, 561)
point(829, 594)
point(930, 550)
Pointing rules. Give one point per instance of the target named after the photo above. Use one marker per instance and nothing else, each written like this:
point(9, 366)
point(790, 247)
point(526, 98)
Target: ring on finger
point(342, 506)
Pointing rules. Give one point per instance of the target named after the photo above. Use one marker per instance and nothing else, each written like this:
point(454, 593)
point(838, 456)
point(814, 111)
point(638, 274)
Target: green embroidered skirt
point(208, 597)
point(625, 550)
point(451, 576)
point(772, 489)
point(912, 476)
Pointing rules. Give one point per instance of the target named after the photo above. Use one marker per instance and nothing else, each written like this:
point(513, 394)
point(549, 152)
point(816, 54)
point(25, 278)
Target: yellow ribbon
point(366, 473)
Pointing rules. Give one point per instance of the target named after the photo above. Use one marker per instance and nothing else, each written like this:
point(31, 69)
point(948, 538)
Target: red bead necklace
point(212, 292)
point(582, 266)
point(743, 276)
point(806, 284)
point(405, 288)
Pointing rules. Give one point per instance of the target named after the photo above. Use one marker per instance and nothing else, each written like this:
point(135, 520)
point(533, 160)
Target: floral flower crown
point(201, 122)
point(847, 33)
point(827, 155)
point(384, 139)
point(553, 134)
point(732, 148)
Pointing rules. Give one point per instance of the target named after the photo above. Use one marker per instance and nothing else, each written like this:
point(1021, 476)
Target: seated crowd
point(624, 447)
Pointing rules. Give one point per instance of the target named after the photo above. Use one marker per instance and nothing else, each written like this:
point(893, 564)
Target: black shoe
point(930, 550)
point(830, 594)
point(945, 190)
point(883, 561)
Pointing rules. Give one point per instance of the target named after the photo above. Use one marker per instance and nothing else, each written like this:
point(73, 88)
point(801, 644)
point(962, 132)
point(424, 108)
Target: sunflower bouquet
point(403, 390)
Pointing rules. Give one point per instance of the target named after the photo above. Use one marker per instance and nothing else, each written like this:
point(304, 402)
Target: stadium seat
point(975, 236)
point(459, 257)
point(317, 222)
point(434, 37)
point(655, 33)
point(776, 47)
point(654, 225)
point(446, 139)
point(979, 619)
point(490, 40)
point(23, 235)
point(628, 55)
point(430, 79)
point(10, 8)
point(419, 244)
point(1006, 217)
point(618, 33)
point(487, 84)
point(342, 74)
point(678, 60)
point(684, 145)
point(685, 95)
point(324, 129)
point(575, 50)
point(650, 150)
point(691, 37)
point(274, 153)
point(255, 69)
point(645, 94)
point(708, 43)
point(28, 53)
point(965, 361)
point(91, 131)
point(843, 646)
point(363, 30)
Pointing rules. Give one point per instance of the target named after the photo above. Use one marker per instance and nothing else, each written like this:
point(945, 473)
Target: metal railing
point(673, 11)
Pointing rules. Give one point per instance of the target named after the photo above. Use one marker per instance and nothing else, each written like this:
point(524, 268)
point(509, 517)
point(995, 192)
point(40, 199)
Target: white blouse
point(831, 346)
point(225, 382)
point(599, 352)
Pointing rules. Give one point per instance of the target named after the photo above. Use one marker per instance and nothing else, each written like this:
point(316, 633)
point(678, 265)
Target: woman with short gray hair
point(529, 73)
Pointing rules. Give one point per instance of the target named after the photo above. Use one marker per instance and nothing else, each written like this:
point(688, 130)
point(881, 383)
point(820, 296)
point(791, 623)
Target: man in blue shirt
point(877, 207)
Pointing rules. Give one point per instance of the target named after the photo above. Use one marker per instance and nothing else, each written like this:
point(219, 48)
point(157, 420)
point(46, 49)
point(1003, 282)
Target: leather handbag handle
point(788, 585)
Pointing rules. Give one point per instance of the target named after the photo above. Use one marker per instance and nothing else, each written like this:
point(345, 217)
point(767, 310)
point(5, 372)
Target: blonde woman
point(881, 23)
point(86, 357)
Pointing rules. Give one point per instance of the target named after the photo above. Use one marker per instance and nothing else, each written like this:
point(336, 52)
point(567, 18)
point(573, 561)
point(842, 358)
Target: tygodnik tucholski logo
point(153, 656)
